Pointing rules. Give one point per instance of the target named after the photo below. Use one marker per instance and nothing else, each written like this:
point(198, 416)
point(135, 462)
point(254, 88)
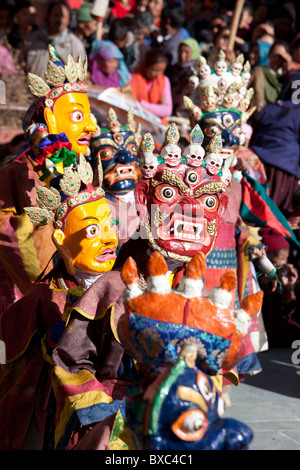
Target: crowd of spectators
point(157, 42)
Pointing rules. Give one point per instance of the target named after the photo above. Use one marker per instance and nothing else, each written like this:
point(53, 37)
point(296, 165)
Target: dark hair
point(117, 31)
point(155, 56)
point(280, 42)
point(58, 3)
point(143, 19)
point(176, 15)
point(248, 6)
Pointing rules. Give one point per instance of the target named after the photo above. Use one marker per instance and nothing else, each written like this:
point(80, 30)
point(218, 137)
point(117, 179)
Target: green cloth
point(272, 85)
point(84, 12)
point(194, 46)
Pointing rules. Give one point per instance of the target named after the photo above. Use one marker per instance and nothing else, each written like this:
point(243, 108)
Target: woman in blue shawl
point(107, 65)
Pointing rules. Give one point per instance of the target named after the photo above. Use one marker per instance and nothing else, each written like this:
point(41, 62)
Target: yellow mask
point(88, 241)
point(72, 115)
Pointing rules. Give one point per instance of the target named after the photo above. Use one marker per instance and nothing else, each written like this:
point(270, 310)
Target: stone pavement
point(269, 402)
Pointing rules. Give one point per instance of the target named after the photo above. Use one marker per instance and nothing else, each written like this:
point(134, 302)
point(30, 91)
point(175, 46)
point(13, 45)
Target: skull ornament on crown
point(223, 104)
point(180, 199)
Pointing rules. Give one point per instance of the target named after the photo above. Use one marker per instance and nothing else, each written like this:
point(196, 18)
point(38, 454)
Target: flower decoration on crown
point(59, 78)
point(75, 188)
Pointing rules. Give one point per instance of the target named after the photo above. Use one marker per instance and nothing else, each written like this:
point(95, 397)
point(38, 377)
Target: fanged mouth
point(121, 172)
point(107, 254)
point(184, 229)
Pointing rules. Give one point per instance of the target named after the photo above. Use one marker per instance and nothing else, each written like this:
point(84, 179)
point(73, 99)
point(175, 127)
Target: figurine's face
point(90, 237)
point(236, 69)
point(214, 163)
point(204, 71)
point(72, 115)
point(172, 154)
point(149, 166)
point(181, 208)
point(118, 153)
point(221, 67)
point(209, 102)
point(225, 122)
point(194, 154)
point(193, 82)
point(190, 417)
point(246, 78)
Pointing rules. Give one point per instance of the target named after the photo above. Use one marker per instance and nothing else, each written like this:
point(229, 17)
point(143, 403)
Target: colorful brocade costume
point(223, 107)
point(81, 229)
point(189, 200)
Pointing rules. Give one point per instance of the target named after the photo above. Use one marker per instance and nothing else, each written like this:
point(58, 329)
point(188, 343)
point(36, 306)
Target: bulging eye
point(91, 231)
point(210, 131)
point(165, 193)
point(210, 202)
point(228, 120)
point(106, 154)
point(77, 116)
point(237, 131)
point(132, 148)
point(191, 425)
point(192, 177)
point(204, 387)
point(111, 224)
point(168, 193)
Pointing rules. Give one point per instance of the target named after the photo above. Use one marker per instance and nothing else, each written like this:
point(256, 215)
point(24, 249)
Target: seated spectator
point(125, 39)
point(107, 66)
point(172, 33)
point(284, 22)
point(6, 19)
point(142, 26)
point(264, 32)
point(188, 53)
point(58, 34)
point(151, 87)
point(156, 7)
point(279, 283)
point(24, 23)
point(86, 26)
point(267, 79)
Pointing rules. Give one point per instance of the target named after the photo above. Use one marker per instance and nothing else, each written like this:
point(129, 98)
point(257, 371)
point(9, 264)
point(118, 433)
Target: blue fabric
point(264, 49)
point(276, 136)
point(160, 343)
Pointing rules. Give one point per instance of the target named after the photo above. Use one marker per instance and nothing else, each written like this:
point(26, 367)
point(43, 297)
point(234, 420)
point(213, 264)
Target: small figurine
point(194, 152)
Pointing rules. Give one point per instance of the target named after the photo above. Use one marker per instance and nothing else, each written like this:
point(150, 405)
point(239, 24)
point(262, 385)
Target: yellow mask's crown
point(59, 78)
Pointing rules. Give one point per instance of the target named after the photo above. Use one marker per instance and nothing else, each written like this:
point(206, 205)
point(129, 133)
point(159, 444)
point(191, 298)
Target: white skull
point(220, 67)
point(246, 78)
point(194, 154)
point(171, 153)
point(204, 71)
point(149, 164)
point(193, 82)
point(226, 178)
point(236, 69)
point(213, 163)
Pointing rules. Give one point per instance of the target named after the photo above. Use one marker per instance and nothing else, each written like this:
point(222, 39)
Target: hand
point(241, 164)
point(258, 251)
point(289, 279)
